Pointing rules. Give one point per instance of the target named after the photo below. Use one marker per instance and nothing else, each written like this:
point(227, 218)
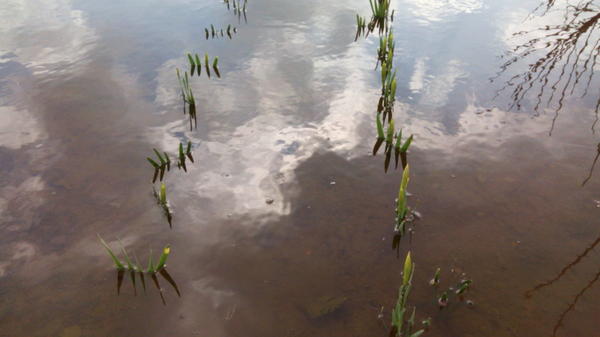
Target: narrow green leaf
point(398, 140)
point(168, 161)
point(406, 144)
point(162, 161)
point(407, 273)
point(163, 257)
point(390, 133)
point(118, 263)
point(150, 264)
point(163, 194)
point(152, 162)
point(380, 133)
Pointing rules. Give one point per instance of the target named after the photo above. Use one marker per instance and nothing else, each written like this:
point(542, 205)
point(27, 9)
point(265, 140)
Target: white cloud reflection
point(249, 160)
point(44, 36)
point(428, 11)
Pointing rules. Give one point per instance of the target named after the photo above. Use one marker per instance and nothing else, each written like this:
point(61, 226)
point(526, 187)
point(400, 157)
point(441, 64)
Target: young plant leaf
point(118, 263)
point(163, 257)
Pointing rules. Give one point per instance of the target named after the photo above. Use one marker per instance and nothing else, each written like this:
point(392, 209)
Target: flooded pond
point(283, 223)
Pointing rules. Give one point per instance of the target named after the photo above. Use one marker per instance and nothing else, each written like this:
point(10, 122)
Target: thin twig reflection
point(571, 50)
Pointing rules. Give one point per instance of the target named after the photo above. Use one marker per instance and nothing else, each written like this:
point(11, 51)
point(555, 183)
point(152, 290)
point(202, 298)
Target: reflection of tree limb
point(572, 264)
point(595, 159)
point(573, 303)
point(572, 49)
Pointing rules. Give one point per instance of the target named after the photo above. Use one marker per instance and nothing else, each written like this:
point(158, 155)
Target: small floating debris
point(269, 201)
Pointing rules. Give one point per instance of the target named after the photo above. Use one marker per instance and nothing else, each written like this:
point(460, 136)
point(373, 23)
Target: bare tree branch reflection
point(563, 271)
point(569, 55)
point(573, 303)
point(593, 165)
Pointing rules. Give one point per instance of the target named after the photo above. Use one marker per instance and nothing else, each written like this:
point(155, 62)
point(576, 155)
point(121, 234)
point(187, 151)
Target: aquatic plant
point(238, 7)
point(183, 155)
point(389, 143)
point(188, 97)
point(402, 323)
point(436, 278)
point(163, 162)
point(380, 134)
point(463, 286)
point(379, 10)
point(136, 266)
point(401, 202)
point(401, 148)
point(196, 64)
point(361, 26)
point(159, 169)
point(387, 45)
point(153, 275)
point(118, 264)
point(161, 199)
point(443, 300)
point(380, 18)
point(215, 34)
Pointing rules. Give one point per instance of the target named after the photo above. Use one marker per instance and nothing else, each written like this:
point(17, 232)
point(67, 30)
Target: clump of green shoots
point(461, 288)
point(380, 18)
point(403, 322)
point(380, 14)
point(385, 107)
point(159, 169)
point(183, 155)
point(388, 89)
point(196, 64)
point(361, 26)
point(387, 45)
point(163, 163)
point(135, 266)
point(214, 33)
point(239, 8)
point(188, 97)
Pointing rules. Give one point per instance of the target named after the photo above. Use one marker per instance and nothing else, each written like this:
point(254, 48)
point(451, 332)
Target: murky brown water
point(87, 89)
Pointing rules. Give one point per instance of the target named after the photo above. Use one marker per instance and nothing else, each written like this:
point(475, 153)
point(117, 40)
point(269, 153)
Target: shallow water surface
point(283, 225)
